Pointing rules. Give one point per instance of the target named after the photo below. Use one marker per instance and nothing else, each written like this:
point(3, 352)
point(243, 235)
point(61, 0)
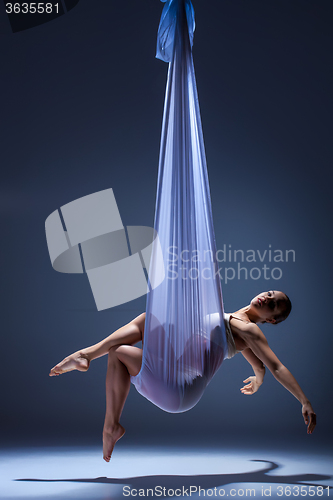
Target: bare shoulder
point(246, 329)
point(253, 337)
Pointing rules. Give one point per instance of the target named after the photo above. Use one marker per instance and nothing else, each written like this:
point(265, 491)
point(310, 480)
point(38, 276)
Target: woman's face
point(268, 304)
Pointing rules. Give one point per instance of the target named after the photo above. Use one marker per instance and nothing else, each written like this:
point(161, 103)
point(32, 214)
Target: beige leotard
point(230, 339)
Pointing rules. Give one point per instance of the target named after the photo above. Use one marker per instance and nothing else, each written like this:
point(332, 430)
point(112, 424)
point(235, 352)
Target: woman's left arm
point(259, 345)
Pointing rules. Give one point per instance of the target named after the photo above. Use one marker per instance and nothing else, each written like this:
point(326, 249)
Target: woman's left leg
point(123, 361)
point(80, 360)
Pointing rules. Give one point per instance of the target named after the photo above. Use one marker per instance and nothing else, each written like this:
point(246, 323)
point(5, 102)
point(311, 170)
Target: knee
point(113, 356)
point(120, 351)
point(113, 352)
point(116, 350)
point(123, 353)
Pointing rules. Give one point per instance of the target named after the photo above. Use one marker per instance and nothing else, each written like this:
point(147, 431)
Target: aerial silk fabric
point(185, 336)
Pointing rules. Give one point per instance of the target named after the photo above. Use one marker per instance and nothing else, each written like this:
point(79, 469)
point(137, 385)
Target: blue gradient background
point(82, 103)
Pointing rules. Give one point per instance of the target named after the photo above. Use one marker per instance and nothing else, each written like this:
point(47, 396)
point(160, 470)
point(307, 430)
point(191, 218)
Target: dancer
point(124, 360)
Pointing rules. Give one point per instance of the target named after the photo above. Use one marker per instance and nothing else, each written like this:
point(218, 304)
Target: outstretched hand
point(251, 387)
point(309, 417)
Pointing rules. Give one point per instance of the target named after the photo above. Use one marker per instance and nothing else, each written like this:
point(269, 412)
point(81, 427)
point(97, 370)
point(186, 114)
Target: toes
point(54, 373)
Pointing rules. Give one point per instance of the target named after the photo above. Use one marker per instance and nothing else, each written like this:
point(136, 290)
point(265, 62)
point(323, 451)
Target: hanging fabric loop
point(184, 340)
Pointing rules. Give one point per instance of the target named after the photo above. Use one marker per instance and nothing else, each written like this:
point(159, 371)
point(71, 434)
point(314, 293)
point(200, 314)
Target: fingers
point(249, 388)
point(246, 391)
point(310, 420)
point(312, 423)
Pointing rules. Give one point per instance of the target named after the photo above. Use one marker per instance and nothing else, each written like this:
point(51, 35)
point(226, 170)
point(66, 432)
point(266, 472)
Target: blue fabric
point(184, 339)
point(167, 28)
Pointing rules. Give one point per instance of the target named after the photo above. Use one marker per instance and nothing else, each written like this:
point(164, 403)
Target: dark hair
point(285, 308)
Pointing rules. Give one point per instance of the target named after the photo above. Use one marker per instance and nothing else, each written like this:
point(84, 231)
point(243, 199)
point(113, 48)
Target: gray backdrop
point(82, 102)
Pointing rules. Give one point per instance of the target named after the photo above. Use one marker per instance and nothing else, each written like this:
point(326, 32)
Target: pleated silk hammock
point(185, 338)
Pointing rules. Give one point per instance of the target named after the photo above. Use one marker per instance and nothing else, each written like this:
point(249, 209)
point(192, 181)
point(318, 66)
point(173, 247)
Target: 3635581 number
point(32, 8)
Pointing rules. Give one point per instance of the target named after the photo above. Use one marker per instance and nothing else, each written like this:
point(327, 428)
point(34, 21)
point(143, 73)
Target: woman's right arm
point(253, 383)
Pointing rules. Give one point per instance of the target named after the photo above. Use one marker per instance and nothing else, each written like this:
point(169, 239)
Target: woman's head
point(271, 307)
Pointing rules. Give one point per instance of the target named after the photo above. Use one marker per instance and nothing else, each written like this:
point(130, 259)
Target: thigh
point(131, 357)
point(130, 334)
point(139, 323)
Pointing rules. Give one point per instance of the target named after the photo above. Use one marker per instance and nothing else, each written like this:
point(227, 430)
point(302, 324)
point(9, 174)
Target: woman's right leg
point(124, 361)
point(127, 335)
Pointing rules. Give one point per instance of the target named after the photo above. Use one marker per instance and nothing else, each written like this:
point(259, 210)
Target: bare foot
point(110, 437)
point(76, 361)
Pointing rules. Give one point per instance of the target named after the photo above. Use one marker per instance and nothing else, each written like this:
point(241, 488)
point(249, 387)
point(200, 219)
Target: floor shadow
point(204, 481)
